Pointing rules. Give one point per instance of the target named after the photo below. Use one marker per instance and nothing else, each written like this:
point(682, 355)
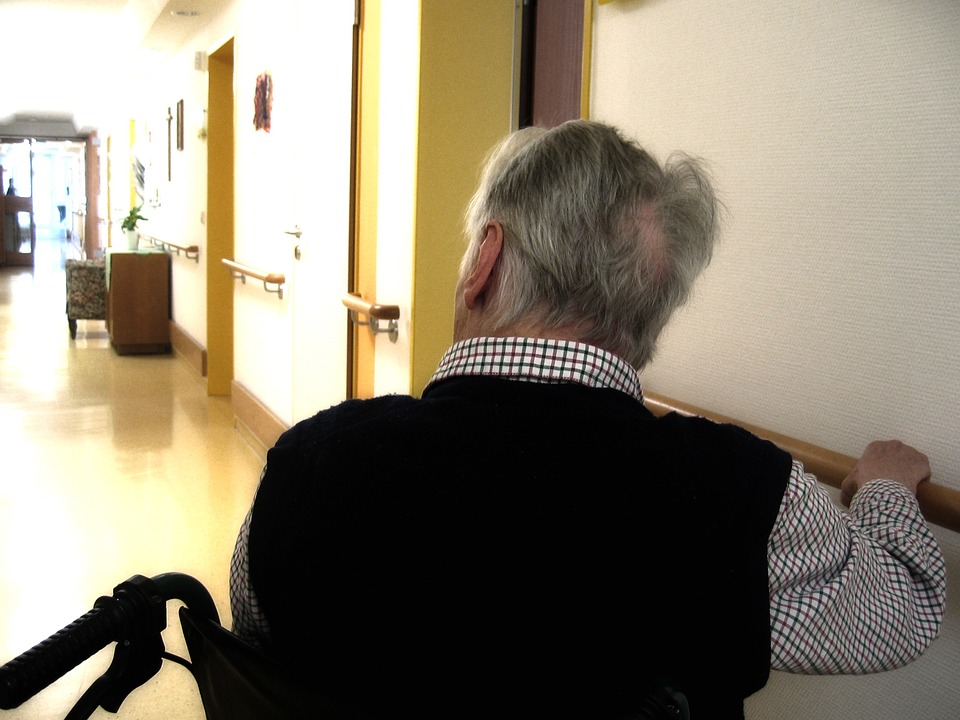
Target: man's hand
point(887, 460)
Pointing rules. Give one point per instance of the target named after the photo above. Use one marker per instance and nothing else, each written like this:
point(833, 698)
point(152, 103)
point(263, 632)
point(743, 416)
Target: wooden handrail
point(192, 252)
point(378, 312)
point(939, 504)
point(242, 272)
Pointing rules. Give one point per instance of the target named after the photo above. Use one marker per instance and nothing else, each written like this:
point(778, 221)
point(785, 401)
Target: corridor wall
point(830, 311)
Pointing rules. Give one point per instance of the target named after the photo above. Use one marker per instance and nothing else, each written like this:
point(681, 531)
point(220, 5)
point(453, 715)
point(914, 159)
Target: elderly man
point(526, 539)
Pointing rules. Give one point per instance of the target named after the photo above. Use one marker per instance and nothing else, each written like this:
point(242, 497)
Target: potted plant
point(129, 227)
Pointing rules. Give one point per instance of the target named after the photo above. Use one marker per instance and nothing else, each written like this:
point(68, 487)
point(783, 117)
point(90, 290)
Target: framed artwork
point(169, 144)
point(179, 124)
point(263, 102)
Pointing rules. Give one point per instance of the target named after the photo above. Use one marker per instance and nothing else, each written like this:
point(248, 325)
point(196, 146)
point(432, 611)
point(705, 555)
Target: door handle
point(296, 232)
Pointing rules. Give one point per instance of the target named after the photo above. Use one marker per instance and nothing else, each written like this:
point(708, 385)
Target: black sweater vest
point(509, 549)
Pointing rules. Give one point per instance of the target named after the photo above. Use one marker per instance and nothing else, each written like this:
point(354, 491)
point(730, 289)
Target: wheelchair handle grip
point(32, 671)
point(137, 601)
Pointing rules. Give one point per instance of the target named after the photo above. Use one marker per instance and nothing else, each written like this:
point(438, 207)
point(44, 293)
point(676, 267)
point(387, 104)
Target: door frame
point(16, 204)
point(220, 218)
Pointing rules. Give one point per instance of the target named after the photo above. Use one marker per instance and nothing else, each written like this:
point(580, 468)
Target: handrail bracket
point(278, 291)
point(191, 252)
point(392, 329)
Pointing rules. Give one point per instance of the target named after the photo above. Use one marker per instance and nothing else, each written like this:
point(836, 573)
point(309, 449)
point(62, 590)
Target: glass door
point(19, 231)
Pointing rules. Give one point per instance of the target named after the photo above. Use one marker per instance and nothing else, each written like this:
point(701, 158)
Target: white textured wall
point(290, 352)
point(831, 312)
point(263, 359)
point(180, 216)
point(183, 198)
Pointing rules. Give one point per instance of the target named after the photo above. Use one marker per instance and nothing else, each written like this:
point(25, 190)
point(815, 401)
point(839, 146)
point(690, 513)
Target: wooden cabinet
point(138, 301)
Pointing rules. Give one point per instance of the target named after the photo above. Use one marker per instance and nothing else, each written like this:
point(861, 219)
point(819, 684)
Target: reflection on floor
point(112, 466)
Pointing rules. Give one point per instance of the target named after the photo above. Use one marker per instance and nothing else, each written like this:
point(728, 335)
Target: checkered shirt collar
point(541, 361)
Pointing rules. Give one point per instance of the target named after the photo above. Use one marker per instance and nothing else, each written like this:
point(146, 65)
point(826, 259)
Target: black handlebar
point(136, 614)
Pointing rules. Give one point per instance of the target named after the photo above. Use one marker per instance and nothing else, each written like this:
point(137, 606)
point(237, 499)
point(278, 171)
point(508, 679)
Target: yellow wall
point(465, 107)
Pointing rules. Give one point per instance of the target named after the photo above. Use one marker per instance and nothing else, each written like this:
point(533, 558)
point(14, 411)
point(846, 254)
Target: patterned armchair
point(86, 291)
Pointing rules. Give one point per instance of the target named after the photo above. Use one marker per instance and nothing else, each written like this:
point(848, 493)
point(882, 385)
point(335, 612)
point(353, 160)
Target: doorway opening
point(551, 62)
point(44, 198)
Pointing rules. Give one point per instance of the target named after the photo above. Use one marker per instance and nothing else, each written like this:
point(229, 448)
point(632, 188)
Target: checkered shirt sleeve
point(856, 592)
point(249, 621)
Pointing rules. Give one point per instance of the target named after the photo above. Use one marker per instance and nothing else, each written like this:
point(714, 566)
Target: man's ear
point(477, 282)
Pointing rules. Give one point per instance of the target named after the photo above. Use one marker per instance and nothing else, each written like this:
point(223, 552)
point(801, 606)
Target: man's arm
point(249, 621)
point(855, 592)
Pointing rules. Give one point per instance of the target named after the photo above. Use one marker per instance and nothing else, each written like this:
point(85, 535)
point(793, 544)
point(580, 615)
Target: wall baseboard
point(188, 348)
point(254, 419)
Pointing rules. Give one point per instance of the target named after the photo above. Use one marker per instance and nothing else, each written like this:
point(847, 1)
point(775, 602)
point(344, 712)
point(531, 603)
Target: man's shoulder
point(705, 430)
point(727, 446)
point(346, 416)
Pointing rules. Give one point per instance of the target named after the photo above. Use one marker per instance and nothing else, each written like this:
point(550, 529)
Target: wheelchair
point(236, 680)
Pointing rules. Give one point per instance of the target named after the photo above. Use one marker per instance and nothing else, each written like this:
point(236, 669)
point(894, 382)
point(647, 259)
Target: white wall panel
point(399, 88)
point(831, 312)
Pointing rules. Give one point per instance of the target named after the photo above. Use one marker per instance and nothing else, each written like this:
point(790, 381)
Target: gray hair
point(597, 235)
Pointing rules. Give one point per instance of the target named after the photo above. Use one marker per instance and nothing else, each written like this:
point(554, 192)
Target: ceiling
point(69, 64)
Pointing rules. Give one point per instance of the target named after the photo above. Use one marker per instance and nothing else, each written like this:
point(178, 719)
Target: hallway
point(112, 466)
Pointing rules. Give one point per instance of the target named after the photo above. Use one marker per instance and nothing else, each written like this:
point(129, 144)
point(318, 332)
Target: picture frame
point(179, 124)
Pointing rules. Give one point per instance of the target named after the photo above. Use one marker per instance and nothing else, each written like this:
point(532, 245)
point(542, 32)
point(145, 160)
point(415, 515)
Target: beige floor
point(111, 466)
